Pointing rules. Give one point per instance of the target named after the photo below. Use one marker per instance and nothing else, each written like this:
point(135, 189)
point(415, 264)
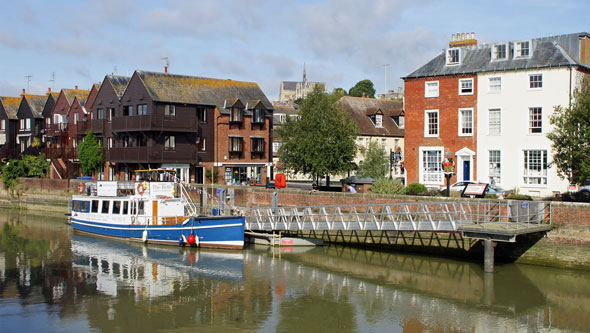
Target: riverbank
point(567, 245)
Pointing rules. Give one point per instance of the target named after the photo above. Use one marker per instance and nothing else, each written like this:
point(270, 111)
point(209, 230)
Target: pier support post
point(488, 256)
point(275, 202)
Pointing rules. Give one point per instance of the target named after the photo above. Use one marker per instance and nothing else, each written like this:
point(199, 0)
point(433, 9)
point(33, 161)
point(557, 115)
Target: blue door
point(466, 170)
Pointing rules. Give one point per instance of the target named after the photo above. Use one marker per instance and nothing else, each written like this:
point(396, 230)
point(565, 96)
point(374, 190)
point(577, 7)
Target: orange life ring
point(140, 188)
point(81, 188)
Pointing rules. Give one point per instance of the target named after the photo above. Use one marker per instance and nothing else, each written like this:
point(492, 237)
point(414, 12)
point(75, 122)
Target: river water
point(52, 279)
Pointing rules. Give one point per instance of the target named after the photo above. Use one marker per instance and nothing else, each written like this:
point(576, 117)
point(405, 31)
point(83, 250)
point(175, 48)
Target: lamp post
point(217, 123)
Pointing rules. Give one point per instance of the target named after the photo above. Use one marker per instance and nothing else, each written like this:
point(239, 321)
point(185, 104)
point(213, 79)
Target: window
point(399, 121)
point(110, 113)
point(431, 123)
point(523, 49)
point(28, 123)
point(495, 167)
point(495, 124)
point(142, 110)
point(236, 115)
point(109, 142)
point(536, 81)
point(535, 120)
point(94, 206)
point(378, 120)
point(75, 143)
point(169, 110)
point(535, 167)
point(281, 118)
point(431, 166)
point(453, 56)
point(258, 145)
point(47, 122)
point(116, 207)
point(495, 84)
point(3, 124)
point(235, 144)
point(100, 113)
point(431, 89)
point(383, 143)
point(202, 144)
point(466, 87)
point(105, 207)
point(465, 122)
point(258, 116)
point(125, 207)
point(76, 118)
point(499, 52)
point(275, 147)
point(170, 142)
point(202, 114)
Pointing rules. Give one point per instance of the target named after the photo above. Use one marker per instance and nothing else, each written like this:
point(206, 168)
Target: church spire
point(304, 74)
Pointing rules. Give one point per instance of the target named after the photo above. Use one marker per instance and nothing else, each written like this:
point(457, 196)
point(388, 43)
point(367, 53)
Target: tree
point(375, 163)
point(364, 86)
point(322, 141)
point(339, 91)
point(571, 137)
point(28, 166)
point(90, 154)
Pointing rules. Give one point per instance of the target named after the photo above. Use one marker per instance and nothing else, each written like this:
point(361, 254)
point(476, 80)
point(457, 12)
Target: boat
point(154, 208)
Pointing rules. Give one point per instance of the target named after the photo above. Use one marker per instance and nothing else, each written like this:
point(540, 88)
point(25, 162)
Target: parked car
point(498, 191)
point(460, 186)
point(583, 193)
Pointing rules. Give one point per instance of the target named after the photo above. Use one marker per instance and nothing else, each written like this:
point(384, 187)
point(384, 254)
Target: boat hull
point(211, 232)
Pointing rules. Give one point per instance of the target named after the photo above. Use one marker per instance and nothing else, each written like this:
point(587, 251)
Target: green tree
point(28, 166)
point(34, 166)
point(364, 86)
point(375, 163)
point(298, 101)
point(571, 137)
point(322, 141)
point(90, 154)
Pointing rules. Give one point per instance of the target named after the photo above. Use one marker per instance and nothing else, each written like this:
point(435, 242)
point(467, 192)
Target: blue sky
point(264, 41)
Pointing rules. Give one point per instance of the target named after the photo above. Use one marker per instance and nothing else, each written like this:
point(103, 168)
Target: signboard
point(164, 188)
point(477, 190)
point(106, 188)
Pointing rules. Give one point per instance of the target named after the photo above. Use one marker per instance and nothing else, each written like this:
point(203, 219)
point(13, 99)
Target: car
point(583, 193)
point(460, 186)
point(498, 191)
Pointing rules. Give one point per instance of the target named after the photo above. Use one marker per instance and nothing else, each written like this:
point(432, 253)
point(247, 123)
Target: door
point(199, 175)
point(466, 169)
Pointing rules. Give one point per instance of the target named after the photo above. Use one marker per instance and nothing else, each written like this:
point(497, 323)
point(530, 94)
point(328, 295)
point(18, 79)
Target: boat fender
point(144, 236)
point(180, 241)
point(140, 188)
point(132, 219)
point(197, 243)
point(81, 188)
point(191, 239)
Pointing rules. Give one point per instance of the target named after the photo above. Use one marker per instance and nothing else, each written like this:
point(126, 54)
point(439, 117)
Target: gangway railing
point(190, 205)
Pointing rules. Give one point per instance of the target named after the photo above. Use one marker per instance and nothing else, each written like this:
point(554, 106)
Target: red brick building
point(440, 122)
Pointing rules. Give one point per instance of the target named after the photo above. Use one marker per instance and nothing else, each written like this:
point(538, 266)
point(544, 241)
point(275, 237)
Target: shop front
point(245, 174)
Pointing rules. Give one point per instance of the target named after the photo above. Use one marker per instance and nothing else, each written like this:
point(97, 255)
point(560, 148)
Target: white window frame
point(276, 145)
point(531, 177)
point(492, 87)
point(3, 124)
point(379, 120)
point(431, 93)
point(461, 81)
point(491, 130)
point(28, 124)
point(495, 166)
point(282, 118)
point(427, 124)
point(76, 118)
point(435, 177)
point(518, 49)
point(449, 57)
point(462, 124)
point(535, 118)
point(536, 82)
point(506, 51)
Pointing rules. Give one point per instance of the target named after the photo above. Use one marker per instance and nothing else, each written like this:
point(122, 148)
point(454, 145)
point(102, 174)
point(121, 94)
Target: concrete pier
point(488, 256)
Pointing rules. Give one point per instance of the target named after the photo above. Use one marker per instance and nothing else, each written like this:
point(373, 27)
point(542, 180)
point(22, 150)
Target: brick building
point(8, 125)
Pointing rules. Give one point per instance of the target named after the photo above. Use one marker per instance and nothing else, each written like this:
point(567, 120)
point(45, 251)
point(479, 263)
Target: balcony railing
point(154, 122)
point(57, 129)
point(67, 153)
point(157, 154)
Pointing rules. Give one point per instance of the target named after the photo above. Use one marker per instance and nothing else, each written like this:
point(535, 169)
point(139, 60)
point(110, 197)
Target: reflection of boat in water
point(152, 271)
point(156, 208)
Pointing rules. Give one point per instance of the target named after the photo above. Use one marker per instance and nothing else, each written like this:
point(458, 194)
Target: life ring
point(140, 188)
point(81, 188)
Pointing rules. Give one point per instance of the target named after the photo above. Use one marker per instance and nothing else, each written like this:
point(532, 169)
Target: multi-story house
point(78, 117)
point(513, 88)
point(192, 124)
point(102, 112)
point(57, 124)
point(30, 121)
point(8, 125)
point(381, 121)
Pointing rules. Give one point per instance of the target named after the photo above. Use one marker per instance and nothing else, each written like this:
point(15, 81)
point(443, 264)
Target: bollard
point(488, 256)
point(275, 202)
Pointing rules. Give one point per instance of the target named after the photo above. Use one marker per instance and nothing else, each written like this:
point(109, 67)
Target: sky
point(61, 44)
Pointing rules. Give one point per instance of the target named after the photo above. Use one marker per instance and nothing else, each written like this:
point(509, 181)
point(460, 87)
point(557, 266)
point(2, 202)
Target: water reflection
point(53, 280)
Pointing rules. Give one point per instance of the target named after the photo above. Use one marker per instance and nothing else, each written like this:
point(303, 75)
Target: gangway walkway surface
point(498, 220)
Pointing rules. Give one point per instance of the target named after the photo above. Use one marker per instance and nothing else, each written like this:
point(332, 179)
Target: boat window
point(116, 207)
point(133, 204)
point(105, 207)
point(140, 207)
point(125, 207)
point(76, 206)
point(80, 206)
point(84, 205)
point(94, 208)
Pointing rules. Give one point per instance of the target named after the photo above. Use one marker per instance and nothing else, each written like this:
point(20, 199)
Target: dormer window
point(236, 115)
point(523, 49)
point(499, 52)
point(453, 56)
point(378, 120)
point(258, 116)
point(399, 121)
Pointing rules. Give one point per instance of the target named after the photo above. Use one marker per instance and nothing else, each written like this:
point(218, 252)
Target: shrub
point(416, 188)
point(211, 175)
point(388, 186)
point(516, 196)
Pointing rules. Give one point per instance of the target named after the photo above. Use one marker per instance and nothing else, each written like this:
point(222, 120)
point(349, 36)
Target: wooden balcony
point(157, 154)
point(98, 126)
point(155, 122)
point(57, 129)
point(81, 127)
point(66, 153)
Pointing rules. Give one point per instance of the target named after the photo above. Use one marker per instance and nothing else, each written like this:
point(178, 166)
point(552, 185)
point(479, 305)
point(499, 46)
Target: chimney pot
point(463, 36)
point(49, 89)
point(76, 87)
point(453, 37)
point(473, 35)
point(24, 91)
point(165, 69)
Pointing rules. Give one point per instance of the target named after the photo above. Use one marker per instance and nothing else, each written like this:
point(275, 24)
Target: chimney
point(165, 69)
point(49, 90)
point(24, 91)
point(463, 40)
point(76, 87)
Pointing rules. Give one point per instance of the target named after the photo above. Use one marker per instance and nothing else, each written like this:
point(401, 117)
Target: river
point(52, 279)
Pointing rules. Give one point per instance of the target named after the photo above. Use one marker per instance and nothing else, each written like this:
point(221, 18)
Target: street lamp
point(217, 123)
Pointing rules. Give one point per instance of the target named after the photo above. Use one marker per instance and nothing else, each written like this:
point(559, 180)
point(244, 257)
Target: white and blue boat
point(155, 208)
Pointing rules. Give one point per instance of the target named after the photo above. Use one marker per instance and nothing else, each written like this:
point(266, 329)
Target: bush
point(388, 186)
point(416, 188)
point(516, 196)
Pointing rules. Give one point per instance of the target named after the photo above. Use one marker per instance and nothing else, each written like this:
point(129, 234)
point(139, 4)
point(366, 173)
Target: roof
point(119, 83)
point(284, 109)
point(37, 104)
point(82, 95)
point(357, 107)
point(11, 105)
point(555, 51)
point(166, 87)
point(290, 85)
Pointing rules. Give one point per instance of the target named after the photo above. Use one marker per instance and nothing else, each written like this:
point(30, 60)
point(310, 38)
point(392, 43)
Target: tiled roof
point(37, 104)
point(11, 105)
point(165, 87)
point(119, 83)
point(285, 109)
point(357, 108)
point(82, 95)
point(555, 51)
point(290, 85)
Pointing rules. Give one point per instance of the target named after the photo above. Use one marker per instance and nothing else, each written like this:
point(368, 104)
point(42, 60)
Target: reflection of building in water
point(149, 272)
